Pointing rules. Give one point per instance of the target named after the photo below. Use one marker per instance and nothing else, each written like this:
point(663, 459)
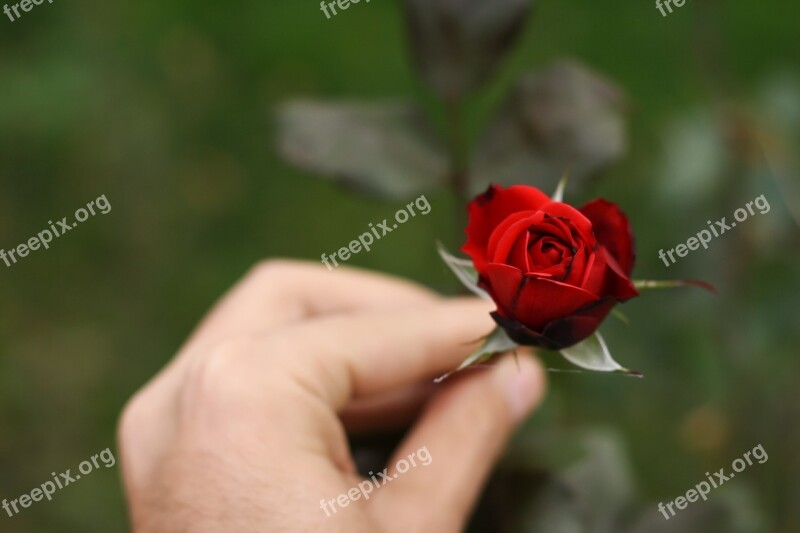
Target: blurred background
point(208, 125)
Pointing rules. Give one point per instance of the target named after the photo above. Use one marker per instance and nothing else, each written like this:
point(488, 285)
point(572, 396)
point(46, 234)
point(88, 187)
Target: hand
point(246, 429)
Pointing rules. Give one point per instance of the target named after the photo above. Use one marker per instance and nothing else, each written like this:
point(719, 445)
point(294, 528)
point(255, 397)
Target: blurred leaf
point(602, 480)
point(589, 493)
point(551, 506)
point(385, 149)
point(495, 343)
point(694, 519)
point(564, 116)
point(457, 45)
point(694, 159)
point(778, 102)
point(778, 107)
point(464, 271)
point(593, 354)
point(729, 510)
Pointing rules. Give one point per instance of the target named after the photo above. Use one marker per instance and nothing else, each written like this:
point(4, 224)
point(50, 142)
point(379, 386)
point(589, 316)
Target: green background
point(167, 109)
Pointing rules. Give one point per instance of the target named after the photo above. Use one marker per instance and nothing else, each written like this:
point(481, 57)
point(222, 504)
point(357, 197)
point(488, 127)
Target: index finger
point(278, 292)
point(348, 357)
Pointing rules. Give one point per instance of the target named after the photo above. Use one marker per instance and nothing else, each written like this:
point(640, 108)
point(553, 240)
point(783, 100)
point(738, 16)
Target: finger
point(387, 412)
point(280, 291)
point(345, 357)
point(273, 293)
point(463, 431)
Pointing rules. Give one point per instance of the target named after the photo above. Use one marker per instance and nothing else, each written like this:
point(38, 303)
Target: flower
point(553, 271)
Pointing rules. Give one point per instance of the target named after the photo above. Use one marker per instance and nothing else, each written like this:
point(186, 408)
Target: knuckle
point(212, 374)
point(219, 376)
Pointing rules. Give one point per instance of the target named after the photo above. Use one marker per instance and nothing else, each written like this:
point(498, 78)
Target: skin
point(246, 428)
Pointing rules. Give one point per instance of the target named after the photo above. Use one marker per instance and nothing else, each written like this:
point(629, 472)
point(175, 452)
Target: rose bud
point(553, 271)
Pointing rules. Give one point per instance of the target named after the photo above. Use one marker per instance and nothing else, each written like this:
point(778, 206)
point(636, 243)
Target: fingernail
point(523, 383)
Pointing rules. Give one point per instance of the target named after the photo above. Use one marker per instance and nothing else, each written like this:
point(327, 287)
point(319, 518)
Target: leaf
point(565, 116)
point(733, 509)
point(496, 342)
point(457, 46)
point(565, 481)
point(385, 149)
point(592, 354)
point(602, 480)
point(694, 158)
point(558, 196)
point(644, 284)
point(464, 271)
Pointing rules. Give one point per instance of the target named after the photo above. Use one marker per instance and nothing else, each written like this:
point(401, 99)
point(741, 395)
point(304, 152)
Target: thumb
point(461, 433)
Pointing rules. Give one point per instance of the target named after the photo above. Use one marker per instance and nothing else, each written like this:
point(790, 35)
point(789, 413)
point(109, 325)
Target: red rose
point(554, 271)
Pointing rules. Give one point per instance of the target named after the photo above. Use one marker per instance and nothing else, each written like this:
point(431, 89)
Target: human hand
point(246, 429)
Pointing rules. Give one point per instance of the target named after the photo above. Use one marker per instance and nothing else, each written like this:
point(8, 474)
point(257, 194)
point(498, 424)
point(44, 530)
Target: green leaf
point(457, 46)
point(495, 343)
point(592, 354)
point(644, 284)
point(565, 116)
point(384, 149)
point(464, 271)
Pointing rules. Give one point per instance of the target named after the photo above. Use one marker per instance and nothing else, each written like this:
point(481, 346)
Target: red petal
point(506, 233)
point(503, 285)
point(576, 327)
point(616, 285)
point(612, 229)
point(594, 274)
point(489, 209)
point(518, 256)
point(535, 302)
point(506, 237)
point(578, 220)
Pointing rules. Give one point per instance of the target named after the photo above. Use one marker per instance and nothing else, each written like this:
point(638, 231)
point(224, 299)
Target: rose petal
point(594, 274)
point(570, 330)
point(616, 284)
point(507, 233)
point(576, 267)
point(489, 209)
point(534, 301)
point(521, 334)
point(557, 260)
point(613, 230)
point(576, 218)
point(561, 333)
point(503, 285)
point(518, 256)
